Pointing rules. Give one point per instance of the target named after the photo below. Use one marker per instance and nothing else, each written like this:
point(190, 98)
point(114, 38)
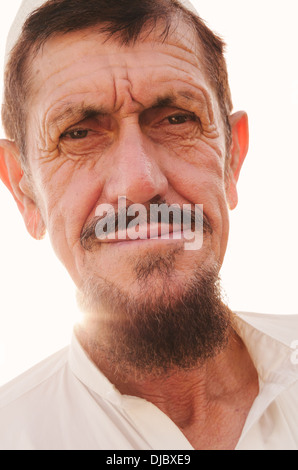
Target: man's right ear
point(14, 178)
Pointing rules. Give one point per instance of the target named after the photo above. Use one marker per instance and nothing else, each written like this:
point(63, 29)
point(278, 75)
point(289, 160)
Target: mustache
point(88, 238)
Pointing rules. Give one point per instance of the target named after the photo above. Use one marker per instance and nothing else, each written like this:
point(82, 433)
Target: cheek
point(69, 195)
point(199, 178)
point(198, 175)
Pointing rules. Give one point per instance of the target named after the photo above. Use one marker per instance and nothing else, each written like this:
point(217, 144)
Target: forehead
point(85, 67)
point(181, 35)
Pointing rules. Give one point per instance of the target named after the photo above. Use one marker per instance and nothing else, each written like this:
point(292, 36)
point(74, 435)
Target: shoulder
point(25, 384)
point(33, 405)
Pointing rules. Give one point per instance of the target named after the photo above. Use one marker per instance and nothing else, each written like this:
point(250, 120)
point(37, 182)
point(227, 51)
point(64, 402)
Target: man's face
point(153, 130)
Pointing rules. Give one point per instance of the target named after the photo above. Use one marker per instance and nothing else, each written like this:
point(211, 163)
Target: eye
point(181, 118)
point(177, 119)
point(76, 134)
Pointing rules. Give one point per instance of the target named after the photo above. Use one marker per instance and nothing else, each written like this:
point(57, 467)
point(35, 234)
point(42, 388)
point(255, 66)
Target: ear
point(17, 181)
point(238, 152)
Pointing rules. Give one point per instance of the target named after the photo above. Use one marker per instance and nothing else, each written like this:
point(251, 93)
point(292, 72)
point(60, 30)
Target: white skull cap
point(28, 6)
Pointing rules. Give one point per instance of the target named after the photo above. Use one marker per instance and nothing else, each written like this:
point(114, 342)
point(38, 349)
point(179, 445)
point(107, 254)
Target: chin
point(167, 321)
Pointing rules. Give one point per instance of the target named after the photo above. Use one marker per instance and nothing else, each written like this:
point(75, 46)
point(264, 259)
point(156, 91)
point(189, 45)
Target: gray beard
point(180, 329)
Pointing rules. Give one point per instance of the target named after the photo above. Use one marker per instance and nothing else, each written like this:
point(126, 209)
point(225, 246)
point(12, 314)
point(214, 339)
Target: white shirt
point(66, 403)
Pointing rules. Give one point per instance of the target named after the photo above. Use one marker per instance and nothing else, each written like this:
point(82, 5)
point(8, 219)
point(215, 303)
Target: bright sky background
point(37, 298)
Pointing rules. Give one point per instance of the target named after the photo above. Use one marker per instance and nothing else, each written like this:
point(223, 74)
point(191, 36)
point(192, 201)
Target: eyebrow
point(75, 113)
point(171, 99)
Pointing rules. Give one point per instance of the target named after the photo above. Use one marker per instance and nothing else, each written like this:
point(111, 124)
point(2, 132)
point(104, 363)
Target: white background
point(37, 298)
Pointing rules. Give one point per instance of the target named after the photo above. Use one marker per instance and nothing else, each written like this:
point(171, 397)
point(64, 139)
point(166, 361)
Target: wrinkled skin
point(153, 128)
point(131, 148)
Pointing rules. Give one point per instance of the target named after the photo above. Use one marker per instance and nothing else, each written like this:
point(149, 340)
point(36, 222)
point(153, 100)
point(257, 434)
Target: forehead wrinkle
point(68, 110)
point(177, 67)
point(177, 51)
point(113, 70)
point(174, 49)
point(112, 49)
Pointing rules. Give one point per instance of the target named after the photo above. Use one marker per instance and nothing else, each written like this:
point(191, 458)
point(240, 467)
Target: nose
point(136, 172)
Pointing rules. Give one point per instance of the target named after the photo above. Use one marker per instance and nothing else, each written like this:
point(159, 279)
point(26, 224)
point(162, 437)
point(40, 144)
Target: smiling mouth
point(144, 232)
point(147, 235)
point(162, 223)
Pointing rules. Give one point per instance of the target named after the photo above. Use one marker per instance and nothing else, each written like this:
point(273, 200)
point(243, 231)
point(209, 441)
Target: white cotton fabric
point(66, 403)
point(28, 6)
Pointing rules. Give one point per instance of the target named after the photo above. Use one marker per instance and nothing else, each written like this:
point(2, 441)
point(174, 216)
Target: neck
point(193, 399)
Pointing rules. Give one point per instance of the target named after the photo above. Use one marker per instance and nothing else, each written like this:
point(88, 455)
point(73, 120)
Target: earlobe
point(238, 152)
point(12, 175)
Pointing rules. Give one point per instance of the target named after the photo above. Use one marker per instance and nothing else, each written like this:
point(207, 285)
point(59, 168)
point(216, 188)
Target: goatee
point(154, 335)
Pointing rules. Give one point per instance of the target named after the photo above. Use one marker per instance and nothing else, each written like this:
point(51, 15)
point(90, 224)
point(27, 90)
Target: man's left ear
point(238, 152)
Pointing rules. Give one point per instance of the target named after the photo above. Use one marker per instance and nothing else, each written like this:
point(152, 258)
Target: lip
point(145, 233)
point(143, 245)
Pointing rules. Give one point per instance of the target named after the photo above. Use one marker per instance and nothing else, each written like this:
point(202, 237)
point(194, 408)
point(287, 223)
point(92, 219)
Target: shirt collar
point(267, 338)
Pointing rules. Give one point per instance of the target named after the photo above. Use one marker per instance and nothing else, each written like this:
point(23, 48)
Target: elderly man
point(110, 101)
